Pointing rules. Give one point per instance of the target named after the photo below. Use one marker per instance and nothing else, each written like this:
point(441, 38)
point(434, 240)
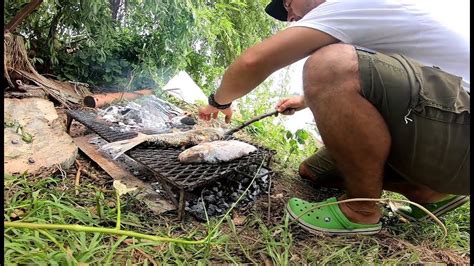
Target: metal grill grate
point(164, 161)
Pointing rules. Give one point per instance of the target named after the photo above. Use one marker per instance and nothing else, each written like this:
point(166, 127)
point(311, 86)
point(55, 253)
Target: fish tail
point(118, 148)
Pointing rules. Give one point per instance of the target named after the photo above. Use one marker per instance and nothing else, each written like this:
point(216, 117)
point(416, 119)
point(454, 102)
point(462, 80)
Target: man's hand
point(206, 112)
point(289, 106)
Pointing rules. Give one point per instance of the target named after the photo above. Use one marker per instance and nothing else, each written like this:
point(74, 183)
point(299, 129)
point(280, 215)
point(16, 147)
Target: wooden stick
point(91, 175)
point(21, 15)
point(78, 176)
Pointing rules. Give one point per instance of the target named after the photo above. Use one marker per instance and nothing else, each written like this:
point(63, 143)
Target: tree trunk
point(52, 36)
point(114, 7)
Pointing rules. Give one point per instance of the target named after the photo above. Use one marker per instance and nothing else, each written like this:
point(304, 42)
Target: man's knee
point(331, 67)
point(306, 173)
point(323, 180)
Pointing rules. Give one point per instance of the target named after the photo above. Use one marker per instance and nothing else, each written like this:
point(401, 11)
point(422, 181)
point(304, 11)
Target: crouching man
point(388, 86)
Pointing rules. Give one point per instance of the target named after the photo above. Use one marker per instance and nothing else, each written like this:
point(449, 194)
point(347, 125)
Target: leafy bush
point(145, 44)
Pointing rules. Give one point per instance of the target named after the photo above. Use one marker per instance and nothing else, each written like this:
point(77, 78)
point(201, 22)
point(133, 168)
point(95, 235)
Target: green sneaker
point(438, 208)
point(326, 219)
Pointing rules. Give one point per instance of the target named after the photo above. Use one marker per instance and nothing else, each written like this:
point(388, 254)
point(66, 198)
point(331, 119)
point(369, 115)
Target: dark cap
point(277, 10)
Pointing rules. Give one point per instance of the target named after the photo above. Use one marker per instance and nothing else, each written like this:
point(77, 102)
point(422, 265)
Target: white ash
point(145, 114)
point(126, 162)
point(219, 197)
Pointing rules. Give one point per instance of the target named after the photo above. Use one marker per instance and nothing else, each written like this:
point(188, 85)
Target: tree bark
point(52, 34)
point(115, 7)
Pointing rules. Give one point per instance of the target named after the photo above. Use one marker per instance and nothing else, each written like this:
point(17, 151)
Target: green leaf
point(301, 135)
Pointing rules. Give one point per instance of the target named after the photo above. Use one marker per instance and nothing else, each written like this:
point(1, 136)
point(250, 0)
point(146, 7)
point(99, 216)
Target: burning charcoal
point(123, 112)
point(210, 198)
point(234, 196)
point(206, 192)
point(188, 121)
point(211, 210)
point(197, 207)
point(223, 204)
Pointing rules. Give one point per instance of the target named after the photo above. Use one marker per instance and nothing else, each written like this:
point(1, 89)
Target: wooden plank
point(146, 193)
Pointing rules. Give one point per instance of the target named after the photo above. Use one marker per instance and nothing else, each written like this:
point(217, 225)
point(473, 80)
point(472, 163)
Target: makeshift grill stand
point(164, 163)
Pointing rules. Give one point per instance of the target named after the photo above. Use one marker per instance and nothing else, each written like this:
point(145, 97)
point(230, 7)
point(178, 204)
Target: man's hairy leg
point(350, 126)
point(391, 182)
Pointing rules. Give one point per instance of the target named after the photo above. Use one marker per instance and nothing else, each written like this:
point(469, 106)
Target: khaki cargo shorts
point(428, 115)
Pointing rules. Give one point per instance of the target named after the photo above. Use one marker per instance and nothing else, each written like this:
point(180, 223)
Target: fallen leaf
point(17, 213)
point(295, 257)
point(121, 188)
point(238, 220)
point(277, 196)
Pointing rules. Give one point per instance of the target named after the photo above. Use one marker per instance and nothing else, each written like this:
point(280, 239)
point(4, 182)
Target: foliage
point(291, 147)
point(80, 40)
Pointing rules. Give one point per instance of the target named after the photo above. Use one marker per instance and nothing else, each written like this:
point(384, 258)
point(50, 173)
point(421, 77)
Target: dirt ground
point(271, 209)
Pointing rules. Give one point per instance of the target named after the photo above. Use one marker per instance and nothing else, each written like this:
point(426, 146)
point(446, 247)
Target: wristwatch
point(212, 102)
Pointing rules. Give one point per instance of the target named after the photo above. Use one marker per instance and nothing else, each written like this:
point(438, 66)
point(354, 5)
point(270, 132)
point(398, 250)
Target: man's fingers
point(228, 118)
point(281, 108)
point(280, 104)
point(214, 115)
point(288, 111)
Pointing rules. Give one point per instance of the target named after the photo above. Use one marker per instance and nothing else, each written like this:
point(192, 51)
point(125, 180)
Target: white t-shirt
point(393, 26)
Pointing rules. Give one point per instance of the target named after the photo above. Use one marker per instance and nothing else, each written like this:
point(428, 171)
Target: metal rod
point(232, 131)
point(255, 119)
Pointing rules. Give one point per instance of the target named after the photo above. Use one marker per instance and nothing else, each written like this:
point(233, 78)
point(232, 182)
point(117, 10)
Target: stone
point(50, 146)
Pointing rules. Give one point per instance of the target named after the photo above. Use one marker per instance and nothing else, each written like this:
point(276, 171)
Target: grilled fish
point(216, 151)
point(178, 139)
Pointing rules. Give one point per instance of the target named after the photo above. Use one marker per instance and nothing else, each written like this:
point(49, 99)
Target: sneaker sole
point(460, 200)
point(314, 230)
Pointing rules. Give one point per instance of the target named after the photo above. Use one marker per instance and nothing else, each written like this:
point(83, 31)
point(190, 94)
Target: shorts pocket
point(440, 95)
point(443, 90)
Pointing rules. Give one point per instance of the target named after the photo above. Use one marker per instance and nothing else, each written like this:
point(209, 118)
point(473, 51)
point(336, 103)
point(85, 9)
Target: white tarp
point(183, 87)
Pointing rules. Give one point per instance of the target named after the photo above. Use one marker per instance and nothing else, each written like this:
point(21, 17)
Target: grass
point(257, 240)
point(53, 200)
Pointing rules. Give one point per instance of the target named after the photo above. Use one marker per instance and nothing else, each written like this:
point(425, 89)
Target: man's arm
point(259, 61)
